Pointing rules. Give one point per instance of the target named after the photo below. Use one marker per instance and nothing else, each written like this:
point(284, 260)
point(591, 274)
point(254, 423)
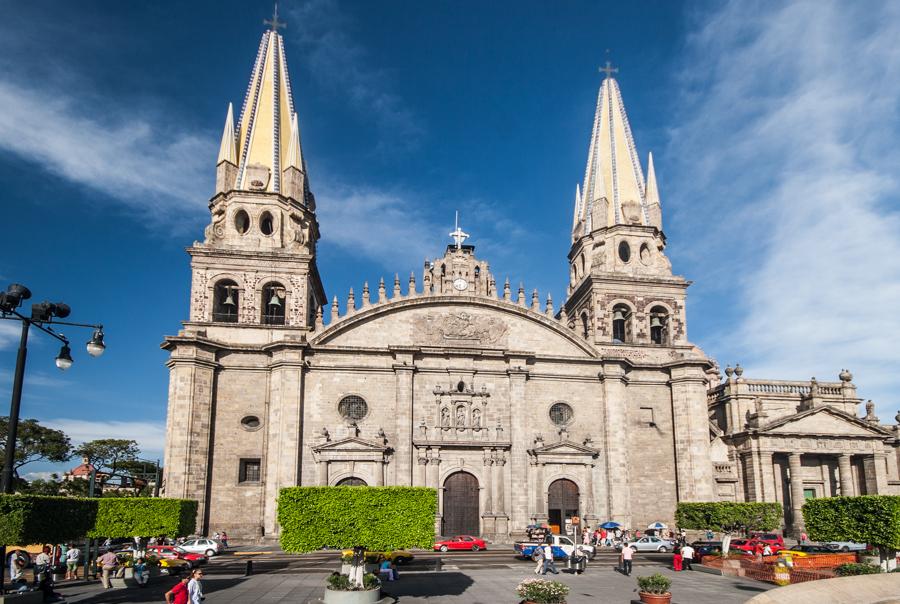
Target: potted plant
point(341, 590)
point(542, 591)
point(654, 589)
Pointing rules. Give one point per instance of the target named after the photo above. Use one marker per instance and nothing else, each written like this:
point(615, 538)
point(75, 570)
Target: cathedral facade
point(515, 410)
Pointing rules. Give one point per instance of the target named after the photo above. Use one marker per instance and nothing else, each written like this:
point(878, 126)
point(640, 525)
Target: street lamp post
point(44, 315)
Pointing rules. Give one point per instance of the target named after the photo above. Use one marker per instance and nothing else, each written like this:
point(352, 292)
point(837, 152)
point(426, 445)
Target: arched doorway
point(562, 503)
point(460, 505)
point(351, 481)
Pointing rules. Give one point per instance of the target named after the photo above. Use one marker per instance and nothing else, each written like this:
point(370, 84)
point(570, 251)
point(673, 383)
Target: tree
point(108, 454)
point(871, 519)
point(728, 517)
point(35, 442)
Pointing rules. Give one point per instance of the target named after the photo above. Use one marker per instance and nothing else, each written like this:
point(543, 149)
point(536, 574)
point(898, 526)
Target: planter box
point(352, 597)
point(29, 597)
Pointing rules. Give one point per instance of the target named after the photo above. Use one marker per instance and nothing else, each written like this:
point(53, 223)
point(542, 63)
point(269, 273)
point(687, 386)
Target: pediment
point(823, 420)
point(350, 444)
point(565, 448)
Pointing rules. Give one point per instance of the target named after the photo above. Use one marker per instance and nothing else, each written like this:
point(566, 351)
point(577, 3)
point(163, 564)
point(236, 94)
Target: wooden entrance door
point(460, 505)
point(562, 503)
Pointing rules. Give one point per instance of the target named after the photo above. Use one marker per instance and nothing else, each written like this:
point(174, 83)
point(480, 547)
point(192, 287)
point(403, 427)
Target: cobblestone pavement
point(483, 577)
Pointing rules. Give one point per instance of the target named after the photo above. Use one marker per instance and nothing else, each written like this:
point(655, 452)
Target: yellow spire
point(264, 129)
point(294, 158)
point(651, 198)
point(226, 149)
point(613, 171)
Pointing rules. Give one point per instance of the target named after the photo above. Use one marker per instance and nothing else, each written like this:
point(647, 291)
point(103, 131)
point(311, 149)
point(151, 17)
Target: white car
point(846, 546)
point(208, 547)
point(651, 544)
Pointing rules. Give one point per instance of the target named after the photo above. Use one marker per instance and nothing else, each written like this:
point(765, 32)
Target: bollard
point(249, 570)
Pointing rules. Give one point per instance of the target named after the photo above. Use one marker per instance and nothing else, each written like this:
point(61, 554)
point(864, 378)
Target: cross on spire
point(458, 235)
point(609, 69)
point(274, 23)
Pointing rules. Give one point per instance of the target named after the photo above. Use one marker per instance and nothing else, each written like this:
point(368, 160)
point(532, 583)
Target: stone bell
point(618, 315)
point(274, 300)
point(229, 299)
point(655, 321)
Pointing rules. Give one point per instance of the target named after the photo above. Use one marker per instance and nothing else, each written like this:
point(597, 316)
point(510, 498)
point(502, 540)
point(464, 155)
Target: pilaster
point(690, 424)
point(615, 437)
point(403, 451)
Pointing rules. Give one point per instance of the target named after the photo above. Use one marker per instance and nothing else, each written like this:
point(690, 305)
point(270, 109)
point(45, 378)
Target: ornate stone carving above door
point(460, 327)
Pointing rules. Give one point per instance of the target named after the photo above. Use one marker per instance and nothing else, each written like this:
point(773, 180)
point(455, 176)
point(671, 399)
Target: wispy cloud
point(126, 158)
point(9, 334)
point(150, 436)
point(789, 146)
point(340, 64)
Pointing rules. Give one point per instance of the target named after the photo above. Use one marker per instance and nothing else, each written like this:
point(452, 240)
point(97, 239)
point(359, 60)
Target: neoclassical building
point(514, 409)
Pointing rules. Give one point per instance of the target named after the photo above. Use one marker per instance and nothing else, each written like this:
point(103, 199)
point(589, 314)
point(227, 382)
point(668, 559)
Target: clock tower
point(459, 272)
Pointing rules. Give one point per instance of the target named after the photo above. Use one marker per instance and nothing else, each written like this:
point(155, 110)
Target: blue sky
point(773, 128)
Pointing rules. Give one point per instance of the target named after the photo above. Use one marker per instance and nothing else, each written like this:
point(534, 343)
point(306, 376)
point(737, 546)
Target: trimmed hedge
point(851, 570)
point(144, 516)
point(27, 519)
point(872, 519)
point(378, 518)
point(729, 516)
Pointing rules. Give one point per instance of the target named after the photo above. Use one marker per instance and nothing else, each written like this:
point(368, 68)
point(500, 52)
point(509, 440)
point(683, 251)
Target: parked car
point(772, 539)
point(706, 548)
point(466, 542)
point(174, 551)
point(397, 556)
point(203, 545)
point(651, 544)
point(116, 545)
point(807, 549)
point(846, 546)
point(749, 545)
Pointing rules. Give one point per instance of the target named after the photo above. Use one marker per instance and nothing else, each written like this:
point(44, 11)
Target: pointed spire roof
point(613, 171)
point(226, 148)
point(652, 194)
point(265, 130)
point(294, 157)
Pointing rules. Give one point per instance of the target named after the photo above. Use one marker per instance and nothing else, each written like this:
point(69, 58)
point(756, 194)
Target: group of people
point(44, 565)
point(683, 557)
point(188, 590)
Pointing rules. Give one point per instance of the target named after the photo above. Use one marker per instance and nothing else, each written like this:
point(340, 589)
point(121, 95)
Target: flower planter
point(352, 597)
point(649, 598)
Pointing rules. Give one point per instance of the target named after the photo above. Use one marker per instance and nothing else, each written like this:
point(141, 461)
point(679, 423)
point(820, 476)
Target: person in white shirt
point(687, 554)
point(195, 587)
point(73, 556)
point(549, 565)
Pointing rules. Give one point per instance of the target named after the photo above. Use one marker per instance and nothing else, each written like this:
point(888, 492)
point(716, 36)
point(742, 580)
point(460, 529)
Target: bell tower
point(621, 288)
point(257, 263)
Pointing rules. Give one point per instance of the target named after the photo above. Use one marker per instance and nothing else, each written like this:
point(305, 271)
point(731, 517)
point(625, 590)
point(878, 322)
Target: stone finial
point(335, 310)
point(412, 285)
point(870, 412)
point(548, 309)
point(535, 301)
point(397, 292)
point(320, 322)
point(845, 376)
point(381, 435)
point(738, 370)
point(897, 418)
point(365, 296)
point(521, 297)
point(562, 315)
point(351, 302)
point(382, 295)
point(492, 288)
point(758, 405)
point(729, 371)
point(813, 387)
point(539, 440)
point(506, 292)
point(325, 435)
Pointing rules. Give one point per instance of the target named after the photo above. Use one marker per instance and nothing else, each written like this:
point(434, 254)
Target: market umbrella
point(657, 526)
point(610, 525)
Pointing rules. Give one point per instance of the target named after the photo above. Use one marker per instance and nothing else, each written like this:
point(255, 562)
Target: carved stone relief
point(461, 327)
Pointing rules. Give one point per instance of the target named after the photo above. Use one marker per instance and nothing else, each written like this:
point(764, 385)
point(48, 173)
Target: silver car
point(652, 544)
point(208, 547)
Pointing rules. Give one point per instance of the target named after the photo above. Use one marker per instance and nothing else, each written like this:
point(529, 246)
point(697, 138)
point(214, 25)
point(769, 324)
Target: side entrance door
point(460, 505)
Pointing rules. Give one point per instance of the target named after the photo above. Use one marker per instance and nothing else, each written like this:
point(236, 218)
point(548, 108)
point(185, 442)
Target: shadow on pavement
point(424, 585)
point(749, 587)
point(154, 592)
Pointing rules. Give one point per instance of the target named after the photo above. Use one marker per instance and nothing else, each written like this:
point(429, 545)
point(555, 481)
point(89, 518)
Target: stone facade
point(515, 411)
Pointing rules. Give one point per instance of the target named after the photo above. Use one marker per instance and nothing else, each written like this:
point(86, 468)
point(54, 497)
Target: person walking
point(195, 587)
point(224, 539)
point(179, 593)
point(677, 559)
point(627, 556)
point(108, 563)
point(803, 537)
point(549, 565)
point(141, 573)
point(73, 557)
point(687, 556)
point(539, 558)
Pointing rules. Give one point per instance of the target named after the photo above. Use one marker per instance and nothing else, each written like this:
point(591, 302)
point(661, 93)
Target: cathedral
point(515, 410)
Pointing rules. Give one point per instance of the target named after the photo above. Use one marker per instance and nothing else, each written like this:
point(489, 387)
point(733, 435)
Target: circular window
point(267, 224)
point(250, 422)
point(242, 222)
point(624, 251)
point(353, 407)
point(561, 414)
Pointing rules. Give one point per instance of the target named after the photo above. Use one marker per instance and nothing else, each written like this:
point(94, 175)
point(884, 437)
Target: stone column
point(434, 467)
point(403, 452)
point(380, 466)
point(615, 438)
point(796, 467)
point(693, 467)
point(499, 494)
point(488, 482)
point(845, 475)
point(422, 477)
point(322, 473)
point(876, 474)
point(519, 497)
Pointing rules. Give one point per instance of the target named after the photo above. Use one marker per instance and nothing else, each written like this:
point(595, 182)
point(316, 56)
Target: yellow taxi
point(397, 556)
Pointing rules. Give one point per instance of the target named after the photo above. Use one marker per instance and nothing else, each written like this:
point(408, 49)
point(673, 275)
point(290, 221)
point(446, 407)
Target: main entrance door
point(460, 505)
point(562, 503)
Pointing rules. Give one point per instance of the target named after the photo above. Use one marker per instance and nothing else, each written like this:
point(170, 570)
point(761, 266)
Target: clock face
point(460, 284)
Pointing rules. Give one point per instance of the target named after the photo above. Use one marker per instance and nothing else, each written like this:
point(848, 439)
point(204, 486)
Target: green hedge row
point(729, 516)
point(27, 519)
point(378, 518)
point(872, 519)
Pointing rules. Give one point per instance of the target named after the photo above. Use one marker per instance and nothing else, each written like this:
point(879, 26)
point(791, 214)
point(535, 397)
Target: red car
point(466, 542)
point(172, 551)
point(749, 545)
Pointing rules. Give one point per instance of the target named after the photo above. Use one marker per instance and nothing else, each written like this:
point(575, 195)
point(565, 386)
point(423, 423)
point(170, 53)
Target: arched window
point(225, 302)
point(274, 298)
point(351, 481)
point(659, 325)
point(585, 326)
point(621, 323)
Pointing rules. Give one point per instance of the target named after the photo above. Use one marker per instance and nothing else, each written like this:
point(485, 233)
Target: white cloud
point(127, 158)
point(9, 334)
point(39, 475)
point(150, 436)
point(788, 144)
